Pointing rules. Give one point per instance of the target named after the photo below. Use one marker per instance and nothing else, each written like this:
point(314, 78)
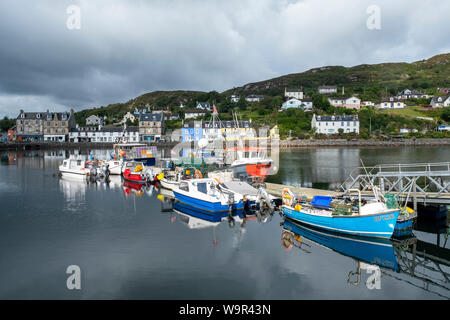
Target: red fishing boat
point(136, 176)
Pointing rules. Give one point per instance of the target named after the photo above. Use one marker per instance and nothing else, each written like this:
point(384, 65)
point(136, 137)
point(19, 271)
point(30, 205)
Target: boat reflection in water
point(138, 189)
point(370, 253)
point(199, 219)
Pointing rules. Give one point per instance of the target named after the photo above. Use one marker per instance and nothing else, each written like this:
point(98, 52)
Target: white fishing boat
point(114, 166)
point(77, 167)
point(172, 178)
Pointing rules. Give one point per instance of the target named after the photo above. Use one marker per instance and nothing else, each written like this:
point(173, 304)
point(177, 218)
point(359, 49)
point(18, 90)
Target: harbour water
point(127, 247)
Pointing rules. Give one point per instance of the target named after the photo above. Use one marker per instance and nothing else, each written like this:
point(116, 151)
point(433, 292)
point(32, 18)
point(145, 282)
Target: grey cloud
point(126, 48)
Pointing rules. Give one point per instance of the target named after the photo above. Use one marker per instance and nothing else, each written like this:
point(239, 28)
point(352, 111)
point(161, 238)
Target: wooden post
point(415, 195)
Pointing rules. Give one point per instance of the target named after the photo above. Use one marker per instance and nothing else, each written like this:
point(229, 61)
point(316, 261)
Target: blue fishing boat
point(373, 219)
point(199, 213)
point(369, 250)
point(207, 195)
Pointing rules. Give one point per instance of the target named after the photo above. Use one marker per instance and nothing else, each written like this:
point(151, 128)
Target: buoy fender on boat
point(288, 197)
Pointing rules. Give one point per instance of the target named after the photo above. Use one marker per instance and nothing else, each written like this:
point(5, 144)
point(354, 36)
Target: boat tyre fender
point(288, 197)
point(287, 240)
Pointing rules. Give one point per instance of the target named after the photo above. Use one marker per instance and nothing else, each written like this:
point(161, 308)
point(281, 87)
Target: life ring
point(288, 197)
point(198, 174)
point(287, 240)
point(298, 207)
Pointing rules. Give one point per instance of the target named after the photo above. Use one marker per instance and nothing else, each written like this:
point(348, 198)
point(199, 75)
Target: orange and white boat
point(253, 161)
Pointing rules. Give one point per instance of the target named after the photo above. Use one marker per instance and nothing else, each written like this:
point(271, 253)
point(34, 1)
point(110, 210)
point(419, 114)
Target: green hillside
point(368, 82)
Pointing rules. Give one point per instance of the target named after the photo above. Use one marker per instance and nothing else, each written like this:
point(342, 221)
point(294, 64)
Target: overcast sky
point(125, 48)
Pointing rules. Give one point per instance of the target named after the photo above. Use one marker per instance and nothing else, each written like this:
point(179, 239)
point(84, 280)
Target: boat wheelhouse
point(208, 196)
point(134, 151)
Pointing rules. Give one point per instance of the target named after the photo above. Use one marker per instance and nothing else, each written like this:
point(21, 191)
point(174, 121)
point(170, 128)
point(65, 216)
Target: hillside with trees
point(368, 82)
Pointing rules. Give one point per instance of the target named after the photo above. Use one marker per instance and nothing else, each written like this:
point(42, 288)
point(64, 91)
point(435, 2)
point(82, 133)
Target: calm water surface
point(129, 248)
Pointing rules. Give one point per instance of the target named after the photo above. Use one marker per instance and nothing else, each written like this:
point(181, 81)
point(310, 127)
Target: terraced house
point(151, 127)
point(29, 126)
point(57, 125)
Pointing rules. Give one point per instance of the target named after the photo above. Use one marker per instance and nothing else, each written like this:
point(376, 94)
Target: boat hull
point(136, 178)
point(198, 213)
point(73, 174)
point(257, 169)
point(212, 207)
point(379, 225)
point(369, 250)
point(167, 184)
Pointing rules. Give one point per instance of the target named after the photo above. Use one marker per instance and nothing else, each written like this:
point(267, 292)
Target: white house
point(332, 124)
point(296, 93)
point(444, 127)
point(254, 98)
point(128, 116)
point(408, 94)
point(327, 89)
point(94, 120)
point(349, 103)
point(203, 106)
point(438, 102)
point(104, 134)
point(391, 103)
point(305, 104)
point(193, 114)
point(368, 104)
point(234, 98)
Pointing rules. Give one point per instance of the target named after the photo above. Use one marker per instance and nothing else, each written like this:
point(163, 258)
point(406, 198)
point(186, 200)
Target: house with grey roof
point(332, 124)
point(151, 127)
point(203, 106)
point(391, 103)
point(410, 94)
point(57, 125)
point(296, 93)
point(254, 98)
point(94, 120)
point(194, 114)
point(441, 101)
point(327, 89)
point(104, 134)
point(30, 126)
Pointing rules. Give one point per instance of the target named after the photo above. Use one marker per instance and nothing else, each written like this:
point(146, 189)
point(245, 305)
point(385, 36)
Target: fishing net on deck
point(342, 209)
point(391, 201)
